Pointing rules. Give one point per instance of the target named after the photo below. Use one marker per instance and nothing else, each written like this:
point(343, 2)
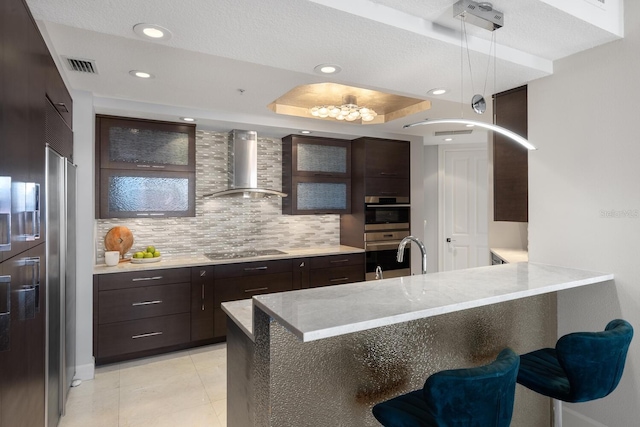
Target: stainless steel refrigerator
point(61, 282)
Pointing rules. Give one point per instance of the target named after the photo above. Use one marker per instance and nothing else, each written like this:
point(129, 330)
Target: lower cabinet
point(139, 313)
point(202, 307)
point(244, 280)
point(149, 312)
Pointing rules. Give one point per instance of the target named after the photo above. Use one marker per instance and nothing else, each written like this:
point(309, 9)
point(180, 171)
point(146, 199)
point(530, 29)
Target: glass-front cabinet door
point(147, 168)
point(146, 145)
point(316, 175)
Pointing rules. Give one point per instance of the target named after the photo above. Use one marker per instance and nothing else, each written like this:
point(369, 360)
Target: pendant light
point(478, 103)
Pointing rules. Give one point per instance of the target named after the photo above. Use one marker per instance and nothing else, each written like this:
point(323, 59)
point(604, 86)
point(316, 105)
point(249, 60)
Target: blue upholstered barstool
point(474, 397)
point(584, 365)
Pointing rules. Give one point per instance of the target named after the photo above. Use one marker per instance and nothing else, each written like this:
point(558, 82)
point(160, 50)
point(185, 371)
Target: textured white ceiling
point(267, 47)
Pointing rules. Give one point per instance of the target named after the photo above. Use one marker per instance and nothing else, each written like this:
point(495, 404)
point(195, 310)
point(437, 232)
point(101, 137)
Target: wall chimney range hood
point(243, 168)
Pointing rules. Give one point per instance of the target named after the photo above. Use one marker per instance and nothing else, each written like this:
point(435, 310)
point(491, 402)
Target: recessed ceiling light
point(469, 126)
point(437, 91)
point(188, 119)
point(448, 139)
point(327, 69)
point(152, 31)
point(306, 132)
point(141, 74)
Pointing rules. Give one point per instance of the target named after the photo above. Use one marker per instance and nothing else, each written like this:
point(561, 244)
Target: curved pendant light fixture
point(476, 13)
point(495, 128)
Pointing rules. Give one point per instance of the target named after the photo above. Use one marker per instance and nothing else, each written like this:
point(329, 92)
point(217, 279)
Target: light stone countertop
point(511, 255)
point(313, 314)
point(241, 312)
point(170, 261)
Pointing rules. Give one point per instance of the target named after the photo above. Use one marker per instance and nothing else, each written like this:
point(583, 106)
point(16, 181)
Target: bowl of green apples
point(150, 254)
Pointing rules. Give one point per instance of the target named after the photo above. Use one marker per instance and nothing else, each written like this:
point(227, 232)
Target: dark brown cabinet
point(510, 160)
point(202, 306)
point(144, 168)
point(383, 166)
point(244, 280)
point(336, 270)
point(381, 171)
point(316, 175)
point(23, 64)
point(138, 312)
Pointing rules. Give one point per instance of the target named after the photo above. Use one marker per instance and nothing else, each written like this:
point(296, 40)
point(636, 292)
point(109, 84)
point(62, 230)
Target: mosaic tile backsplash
point(228, 224)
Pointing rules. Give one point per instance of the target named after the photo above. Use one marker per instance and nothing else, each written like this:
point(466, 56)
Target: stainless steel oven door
point(386, 216)
point(383, 255)
point(381, 249)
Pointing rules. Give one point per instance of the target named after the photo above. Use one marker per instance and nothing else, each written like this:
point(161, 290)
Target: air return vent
point(82, 65)
point(453, 132)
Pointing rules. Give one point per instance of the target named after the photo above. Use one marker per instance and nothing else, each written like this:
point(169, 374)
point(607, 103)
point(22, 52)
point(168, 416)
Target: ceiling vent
point(453, 132)
point(82, 65)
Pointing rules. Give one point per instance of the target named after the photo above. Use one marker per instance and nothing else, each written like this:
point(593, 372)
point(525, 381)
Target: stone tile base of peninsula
point(336, 381)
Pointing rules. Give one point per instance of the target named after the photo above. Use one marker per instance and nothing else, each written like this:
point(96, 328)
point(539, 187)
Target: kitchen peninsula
point(325, 356)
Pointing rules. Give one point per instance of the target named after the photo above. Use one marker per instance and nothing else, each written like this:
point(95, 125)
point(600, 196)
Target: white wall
point(584, 198)
point(83, 153)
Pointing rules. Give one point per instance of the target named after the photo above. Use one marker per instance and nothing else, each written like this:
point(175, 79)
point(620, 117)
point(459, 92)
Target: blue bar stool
point(474, 397)
point(583, 366)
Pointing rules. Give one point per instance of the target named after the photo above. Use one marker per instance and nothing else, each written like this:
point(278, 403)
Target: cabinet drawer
point(389, 187)
point(145, 334)
point(143, 278)
point(336, 276)
point(139, 303)
point(233, 289)
point(336, 261)
point(256, 268)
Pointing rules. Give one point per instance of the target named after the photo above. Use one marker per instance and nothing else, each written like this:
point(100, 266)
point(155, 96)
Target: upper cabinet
point(146, 145)
point(384, 165)
point(57, 92)
point(316, 175)
point(510, 160)
point(145, 168)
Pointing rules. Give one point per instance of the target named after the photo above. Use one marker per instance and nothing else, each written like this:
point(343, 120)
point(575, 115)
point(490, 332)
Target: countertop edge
point(237, 312)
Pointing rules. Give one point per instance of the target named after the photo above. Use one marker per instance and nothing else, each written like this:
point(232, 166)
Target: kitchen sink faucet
point(423, 251)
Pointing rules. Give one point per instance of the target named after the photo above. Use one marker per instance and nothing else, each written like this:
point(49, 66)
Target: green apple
point(148, 255)
point(151, 249)
point(156, 254)
point(138, 255)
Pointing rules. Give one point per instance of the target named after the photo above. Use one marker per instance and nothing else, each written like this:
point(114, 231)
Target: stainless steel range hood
point(243, 168)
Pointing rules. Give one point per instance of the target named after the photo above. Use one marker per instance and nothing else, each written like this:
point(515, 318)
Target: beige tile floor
point(186, 388)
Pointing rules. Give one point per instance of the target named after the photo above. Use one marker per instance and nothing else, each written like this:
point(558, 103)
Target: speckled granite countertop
point(169, 261)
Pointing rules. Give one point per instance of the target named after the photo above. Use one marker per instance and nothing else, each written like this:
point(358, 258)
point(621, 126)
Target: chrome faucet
point(423, 251)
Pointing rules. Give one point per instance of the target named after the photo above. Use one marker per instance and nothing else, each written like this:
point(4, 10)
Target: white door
point(463, 207)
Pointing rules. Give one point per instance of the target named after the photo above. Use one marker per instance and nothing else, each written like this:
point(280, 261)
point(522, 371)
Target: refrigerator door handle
point(5, 213)
point(5, 313)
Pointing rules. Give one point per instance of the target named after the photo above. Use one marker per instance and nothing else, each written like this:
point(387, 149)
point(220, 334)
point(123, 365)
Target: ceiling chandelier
point(348, 111)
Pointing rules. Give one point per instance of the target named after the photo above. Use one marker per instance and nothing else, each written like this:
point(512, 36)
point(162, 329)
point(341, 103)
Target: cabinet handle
point(61, 106)
point(339, 260)
point(150, 334)
point(389, 173)
point(5, 315)
point(387, 235)
point(246, 291)
point(156, 214)
point(158, 166)
point(138, 279)
point(135, 304)
point(339, 279)
point(202, 298)
point(255, 268)
point(143, 166)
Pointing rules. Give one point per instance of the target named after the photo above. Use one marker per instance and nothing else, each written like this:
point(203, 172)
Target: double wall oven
point(387, 222)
